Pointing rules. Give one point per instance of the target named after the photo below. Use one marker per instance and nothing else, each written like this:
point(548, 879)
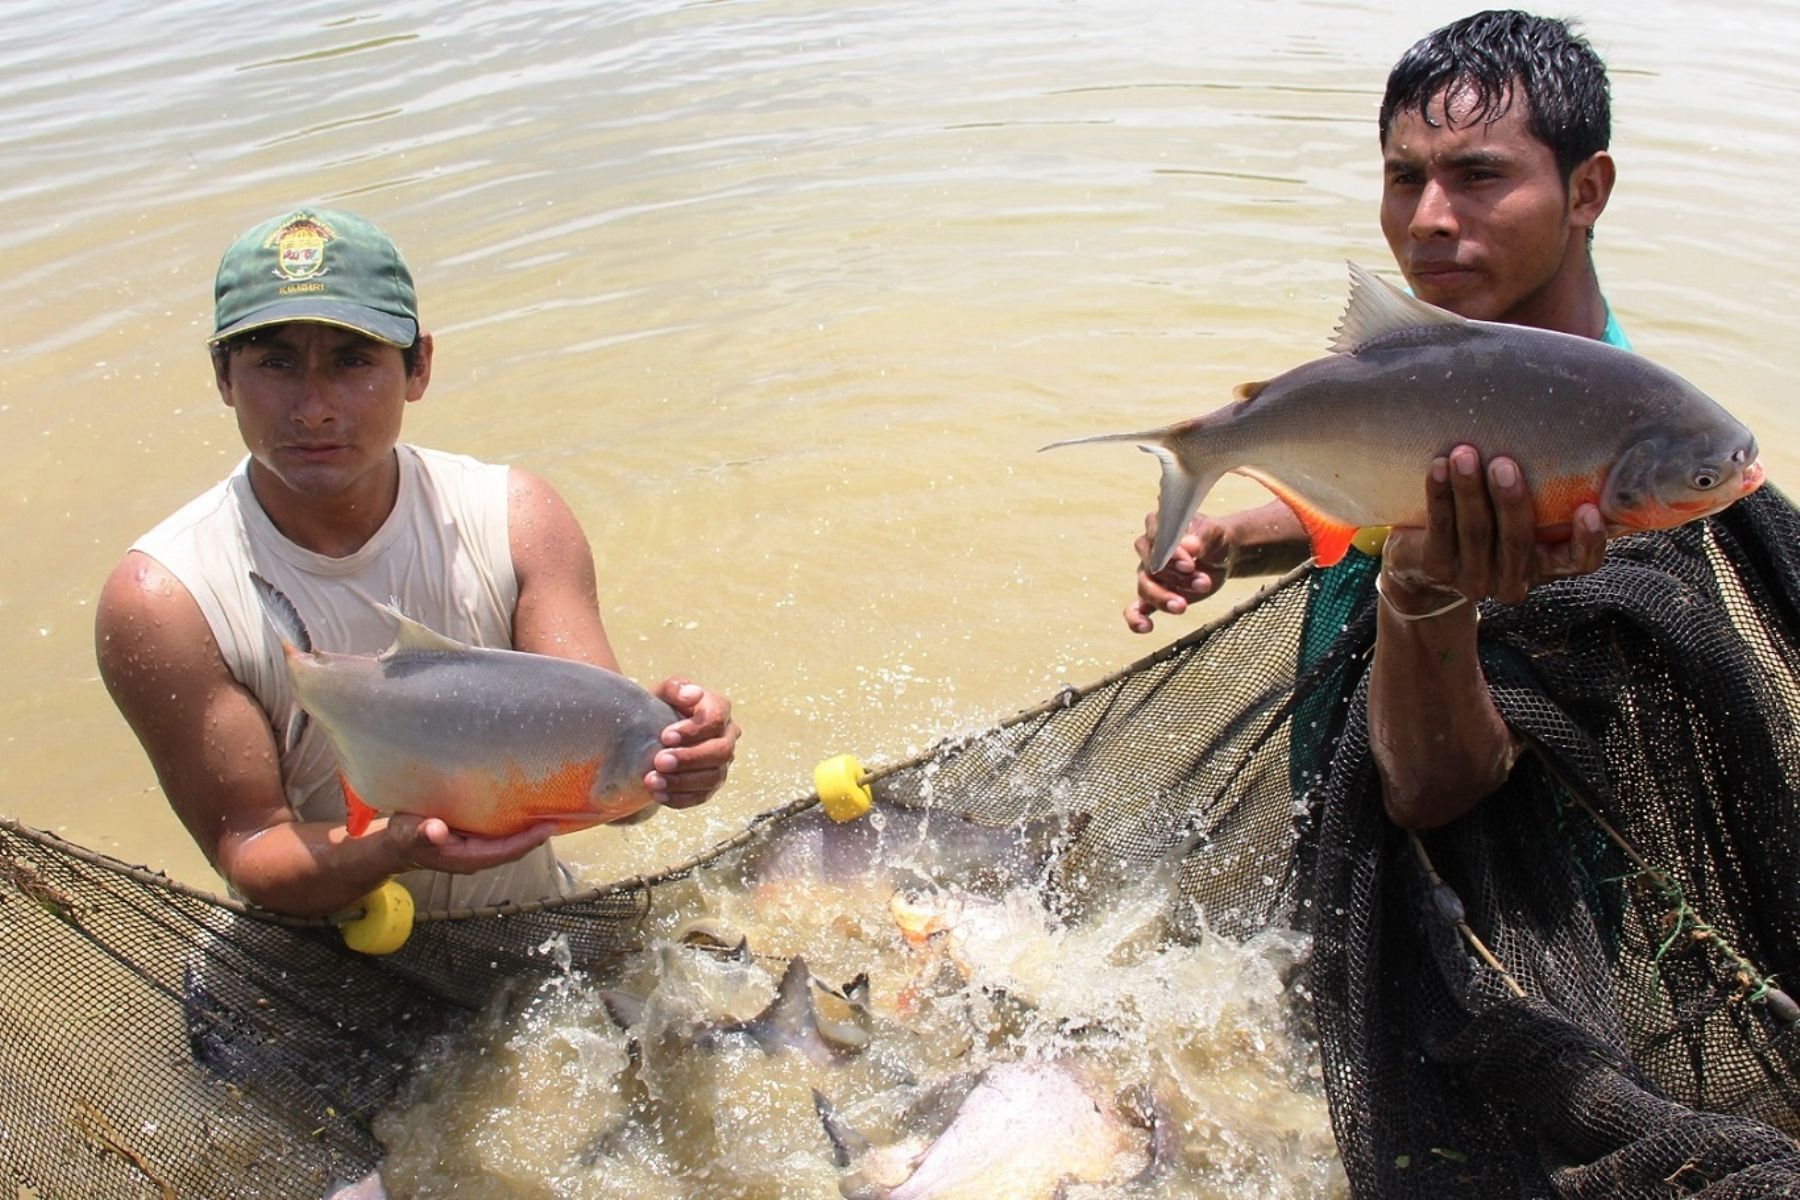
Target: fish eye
point(1706, 479)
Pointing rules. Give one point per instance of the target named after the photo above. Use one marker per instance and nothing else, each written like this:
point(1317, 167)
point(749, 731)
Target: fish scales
point(452, 711)
point(1328, 429)
point(455, 707)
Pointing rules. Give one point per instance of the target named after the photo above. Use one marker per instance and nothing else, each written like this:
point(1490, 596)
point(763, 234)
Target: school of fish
point(869, 1011)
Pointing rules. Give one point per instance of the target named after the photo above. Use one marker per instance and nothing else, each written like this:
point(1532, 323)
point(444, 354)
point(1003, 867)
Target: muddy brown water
point(783, 296)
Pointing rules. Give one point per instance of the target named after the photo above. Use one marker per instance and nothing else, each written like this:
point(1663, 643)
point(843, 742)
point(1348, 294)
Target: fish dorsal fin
point(1377, 308)
point(847, 1145)
point(413, 636)
point(281, 614)
point(1244, 393)
point(791, 1013)
point(790, 1021)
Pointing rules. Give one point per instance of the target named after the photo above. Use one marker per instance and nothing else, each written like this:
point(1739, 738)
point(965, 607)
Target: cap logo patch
point(299, 247)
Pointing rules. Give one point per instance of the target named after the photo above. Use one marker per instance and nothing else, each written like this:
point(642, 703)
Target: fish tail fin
point(1183, 488)
point(285, 620)
point(357, 814)
point(849, 1035)
point(1187, 477)
point(281, 614)
point(1147, 435)
point(625, 1009)
point(856, 992)
point(296, 726)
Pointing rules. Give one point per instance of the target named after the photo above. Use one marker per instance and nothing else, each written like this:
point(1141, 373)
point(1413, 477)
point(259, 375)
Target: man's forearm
point(1265, 541)
point(1438, 741)
point(308, 868)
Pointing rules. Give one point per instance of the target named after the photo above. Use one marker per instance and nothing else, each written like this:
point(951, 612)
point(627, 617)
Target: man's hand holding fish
point(1479, 541)
point(697, 749)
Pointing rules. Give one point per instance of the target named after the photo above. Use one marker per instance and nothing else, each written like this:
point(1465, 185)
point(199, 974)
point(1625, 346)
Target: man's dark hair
point(222, 352)
point(1564, 80)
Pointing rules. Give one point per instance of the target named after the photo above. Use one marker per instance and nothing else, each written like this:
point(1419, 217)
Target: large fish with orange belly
point(490, 741)
point(1345, 440)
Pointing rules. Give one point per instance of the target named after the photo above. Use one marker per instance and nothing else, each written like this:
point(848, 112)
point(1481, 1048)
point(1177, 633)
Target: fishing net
point(1575, 990)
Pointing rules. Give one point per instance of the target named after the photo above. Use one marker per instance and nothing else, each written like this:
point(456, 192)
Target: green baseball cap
point(316, 264)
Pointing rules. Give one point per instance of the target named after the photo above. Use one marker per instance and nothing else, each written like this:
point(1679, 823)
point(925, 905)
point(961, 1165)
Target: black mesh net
point(1631, 879)
point(1573, 991)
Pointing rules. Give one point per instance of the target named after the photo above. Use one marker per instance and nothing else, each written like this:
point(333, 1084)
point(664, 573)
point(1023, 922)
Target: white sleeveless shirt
point(443, 557)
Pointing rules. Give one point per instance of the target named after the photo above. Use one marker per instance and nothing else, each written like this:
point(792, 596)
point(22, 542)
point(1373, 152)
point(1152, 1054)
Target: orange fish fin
point(1331, 537)
point(357, 814)
point(1330, 541)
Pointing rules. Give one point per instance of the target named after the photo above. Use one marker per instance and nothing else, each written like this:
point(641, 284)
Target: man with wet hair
point(1606, 924)
point(1569, 104)
point(1494, 134)
point(318, 350)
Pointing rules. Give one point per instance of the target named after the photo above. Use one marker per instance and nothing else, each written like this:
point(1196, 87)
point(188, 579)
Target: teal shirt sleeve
point(1615, 334)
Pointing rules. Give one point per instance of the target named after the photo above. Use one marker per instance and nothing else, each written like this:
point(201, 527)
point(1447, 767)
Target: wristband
point(1424, 616)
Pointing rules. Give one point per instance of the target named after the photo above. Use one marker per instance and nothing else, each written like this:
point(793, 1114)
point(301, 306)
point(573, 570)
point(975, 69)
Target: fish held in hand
point(491, 742)
point(1345, 440)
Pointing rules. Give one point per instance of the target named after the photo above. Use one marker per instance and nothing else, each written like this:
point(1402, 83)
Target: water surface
point(782, 295)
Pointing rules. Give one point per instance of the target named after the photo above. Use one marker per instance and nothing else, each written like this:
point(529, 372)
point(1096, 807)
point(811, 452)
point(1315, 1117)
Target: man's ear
point(1590, 187)
point(421, 372)
point(221, 365)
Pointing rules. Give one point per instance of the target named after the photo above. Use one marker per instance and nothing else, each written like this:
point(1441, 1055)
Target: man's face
point(319, 407)
point(1477, 215)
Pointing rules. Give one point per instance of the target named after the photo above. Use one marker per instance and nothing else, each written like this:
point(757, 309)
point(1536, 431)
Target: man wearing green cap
point(317, 349)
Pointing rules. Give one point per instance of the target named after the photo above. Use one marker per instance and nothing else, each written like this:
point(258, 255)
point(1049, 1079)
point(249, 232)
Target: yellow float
point(385, 924)
point(843, 788)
